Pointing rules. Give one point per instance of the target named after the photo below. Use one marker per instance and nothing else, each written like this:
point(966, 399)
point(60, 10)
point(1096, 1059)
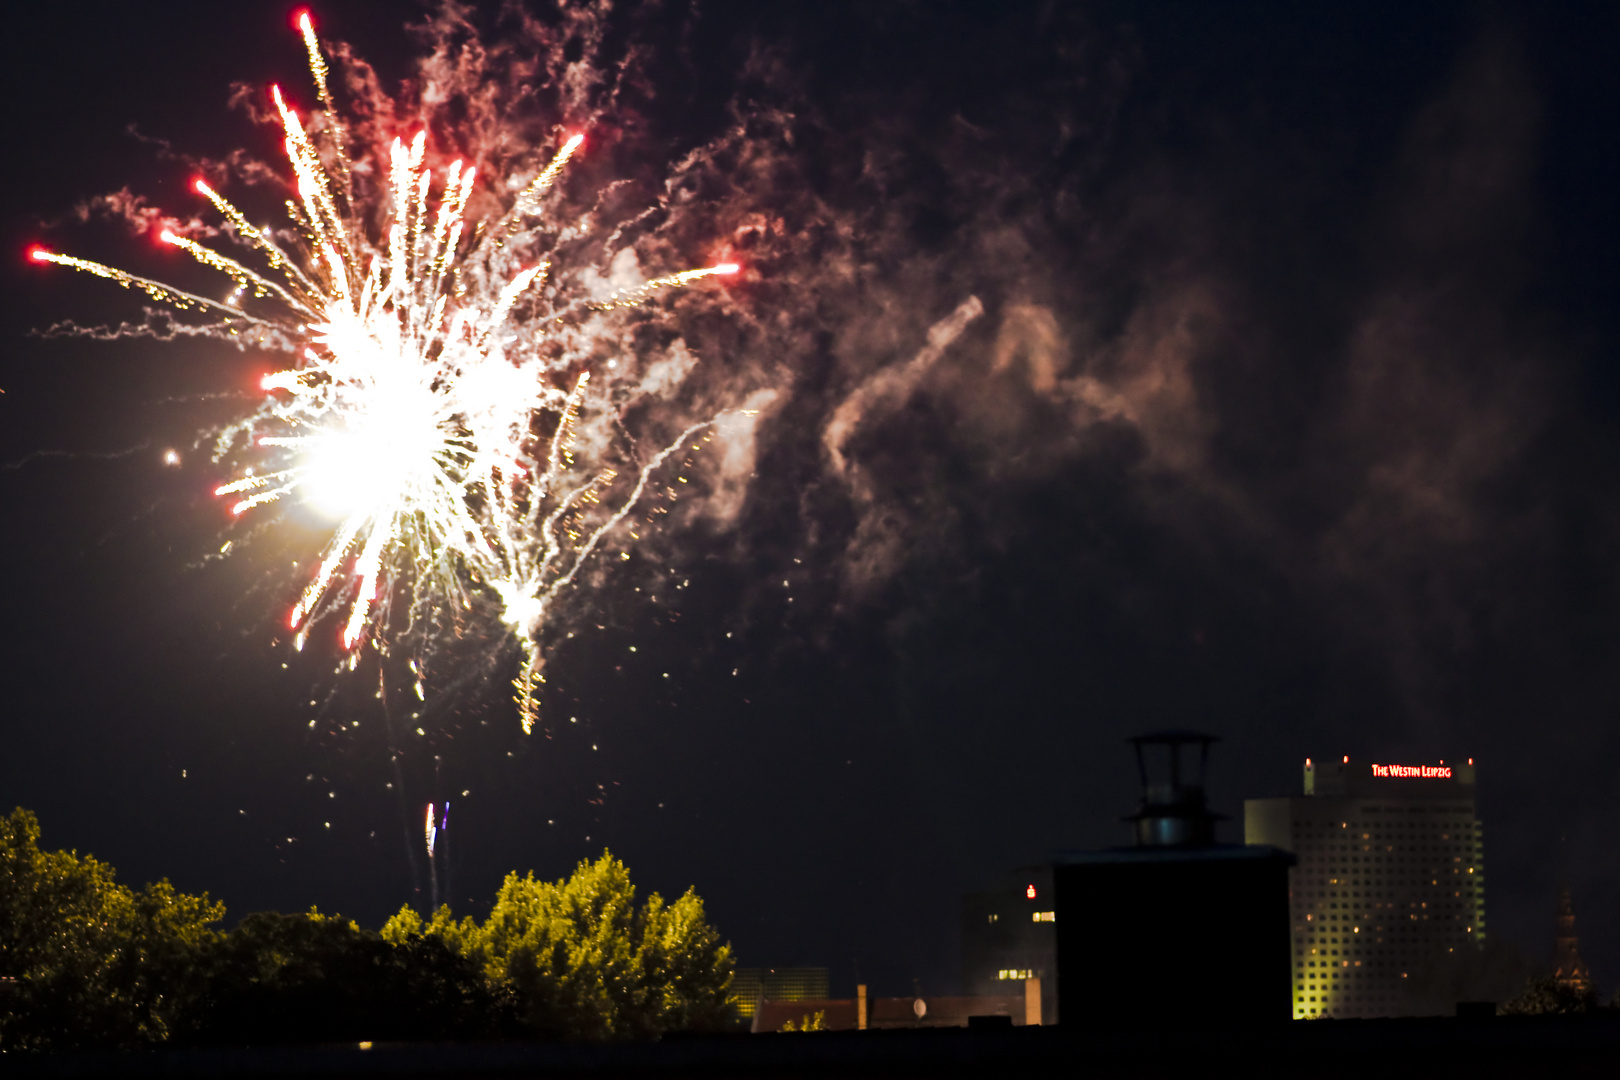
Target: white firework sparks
point(420, 414)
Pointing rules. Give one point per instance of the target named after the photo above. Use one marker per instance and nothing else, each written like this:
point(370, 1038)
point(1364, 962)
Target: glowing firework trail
point(431, 829)
point(432, 832)
point(414, 413)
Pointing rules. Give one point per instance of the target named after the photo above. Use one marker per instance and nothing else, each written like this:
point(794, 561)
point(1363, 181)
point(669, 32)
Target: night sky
point(1286, 405)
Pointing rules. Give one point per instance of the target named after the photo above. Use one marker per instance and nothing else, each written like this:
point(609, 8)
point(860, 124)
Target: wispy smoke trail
point(876, 547)
point(73, 455)
point(889, 388)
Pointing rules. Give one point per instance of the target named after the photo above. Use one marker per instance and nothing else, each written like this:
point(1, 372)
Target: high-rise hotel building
point(1391, 876)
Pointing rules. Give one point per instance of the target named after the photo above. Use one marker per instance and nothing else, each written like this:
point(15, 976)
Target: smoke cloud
point(962, 318)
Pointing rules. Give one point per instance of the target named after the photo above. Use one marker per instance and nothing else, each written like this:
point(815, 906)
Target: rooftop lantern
point(1173, 811)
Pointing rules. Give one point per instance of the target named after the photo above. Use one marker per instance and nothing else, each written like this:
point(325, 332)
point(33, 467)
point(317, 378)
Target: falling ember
point(421, 418)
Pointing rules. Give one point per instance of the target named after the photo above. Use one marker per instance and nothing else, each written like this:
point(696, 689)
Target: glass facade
point(1391, 875)
point(751, 985)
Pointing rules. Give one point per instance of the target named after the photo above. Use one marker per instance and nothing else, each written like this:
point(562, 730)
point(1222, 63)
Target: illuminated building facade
point(1390, 878)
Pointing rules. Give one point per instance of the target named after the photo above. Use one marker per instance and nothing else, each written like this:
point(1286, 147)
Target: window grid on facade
point(751, 985)
point(1383, 886)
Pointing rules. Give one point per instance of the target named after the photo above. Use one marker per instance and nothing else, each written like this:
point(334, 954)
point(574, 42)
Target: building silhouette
point(1178, 926)
point(1390, 880)
point(1009, 935)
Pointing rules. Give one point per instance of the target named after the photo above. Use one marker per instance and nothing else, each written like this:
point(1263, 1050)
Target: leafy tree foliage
point(93, 962)
point(89, 962)
point(807, 1022)
point(584, 962)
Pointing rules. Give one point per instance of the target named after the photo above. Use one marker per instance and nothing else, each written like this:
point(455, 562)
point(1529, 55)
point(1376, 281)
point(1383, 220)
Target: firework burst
point(434, 408)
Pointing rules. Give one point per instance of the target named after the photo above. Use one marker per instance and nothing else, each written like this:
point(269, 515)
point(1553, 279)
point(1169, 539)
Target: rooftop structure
point(1173, 811)
point(1136, 925)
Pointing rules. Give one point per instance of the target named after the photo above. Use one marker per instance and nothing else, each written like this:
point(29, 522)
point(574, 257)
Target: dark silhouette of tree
point(584, 962)
point(318, 978)
point(1546, 996)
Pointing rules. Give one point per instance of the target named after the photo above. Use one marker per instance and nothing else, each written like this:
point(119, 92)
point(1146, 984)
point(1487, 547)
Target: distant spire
point(1571, 970)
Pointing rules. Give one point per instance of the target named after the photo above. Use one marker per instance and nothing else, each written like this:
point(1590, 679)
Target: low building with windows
point(863, 1013)
point(1390, 879)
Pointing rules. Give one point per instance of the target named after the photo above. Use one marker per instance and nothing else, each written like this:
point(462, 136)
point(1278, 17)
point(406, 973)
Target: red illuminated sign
point(1429, 772)
point(1030, 892)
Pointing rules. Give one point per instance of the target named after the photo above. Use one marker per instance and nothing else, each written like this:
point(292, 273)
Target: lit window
point(1043, 916)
